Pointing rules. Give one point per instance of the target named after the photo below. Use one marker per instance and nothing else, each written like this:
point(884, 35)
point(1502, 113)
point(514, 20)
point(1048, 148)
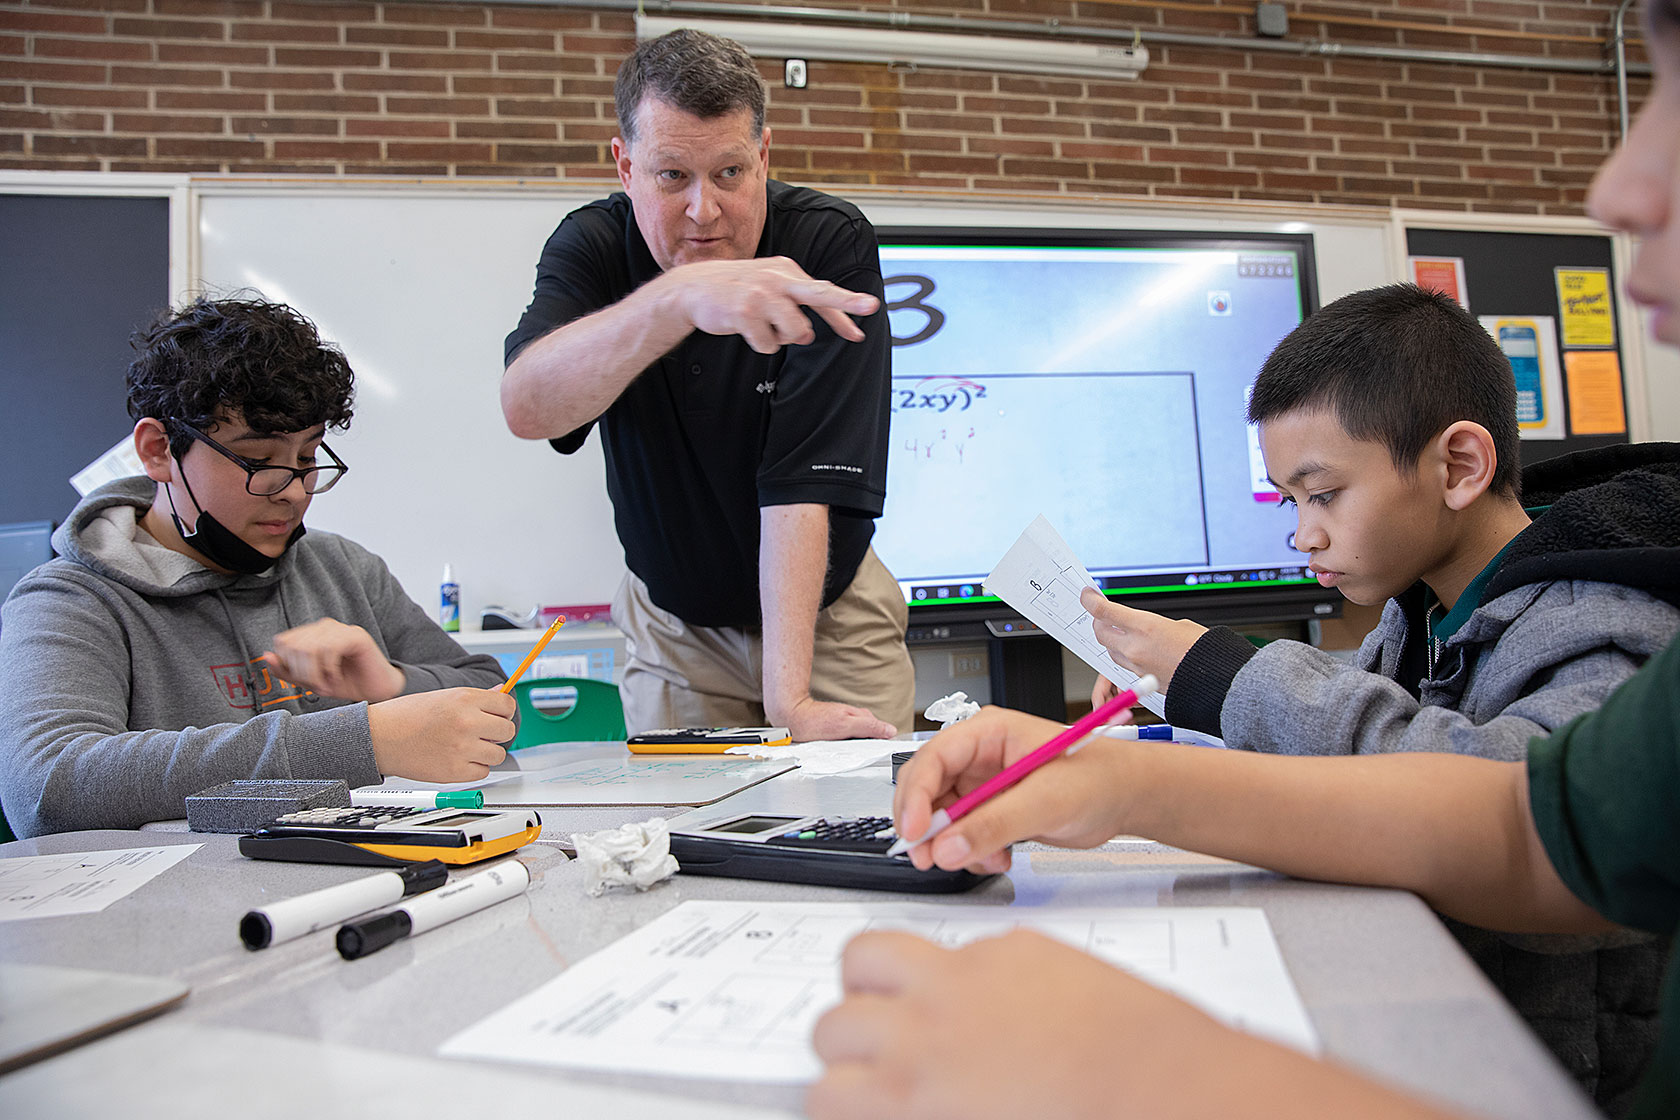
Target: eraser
point(899, 758)
point(245, 804)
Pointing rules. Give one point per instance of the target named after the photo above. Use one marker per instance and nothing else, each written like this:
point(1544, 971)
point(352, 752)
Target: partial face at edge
point(1638, 188)
point(697, 186)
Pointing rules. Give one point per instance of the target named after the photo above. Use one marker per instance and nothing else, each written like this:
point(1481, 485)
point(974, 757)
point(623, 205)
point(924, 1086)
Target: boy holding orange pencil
point(189, 632)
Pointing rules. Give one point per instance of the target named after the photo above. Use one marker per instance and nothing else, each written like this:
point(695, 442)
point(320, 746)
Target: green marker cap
point(461, 799)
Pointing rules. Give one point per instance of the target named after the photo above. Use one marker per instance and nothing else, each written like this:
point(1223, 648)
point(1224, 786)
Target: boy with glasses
point(189, 632)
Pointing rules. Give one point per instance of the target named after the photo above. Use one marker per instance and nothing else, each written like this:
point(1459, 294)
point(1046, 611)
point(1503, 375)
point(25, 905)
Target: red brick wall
point(328, 89)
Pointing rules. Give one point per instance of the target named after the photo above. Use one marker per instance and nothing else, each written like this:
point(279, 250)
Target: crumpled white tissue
point(951, 709)
point(635, 855)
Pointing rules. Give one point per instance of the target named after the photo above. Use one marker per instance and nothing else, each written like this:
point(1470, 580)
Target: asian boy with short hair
point(189, 632)
point(1389, 420)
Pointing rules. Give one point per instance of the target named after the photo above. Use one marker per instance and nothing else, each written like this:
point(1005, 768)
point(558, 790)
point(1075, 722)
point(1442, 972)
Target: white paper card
point(119, 461)
point(80, 882)
point(1041, 577)
point(731, 990)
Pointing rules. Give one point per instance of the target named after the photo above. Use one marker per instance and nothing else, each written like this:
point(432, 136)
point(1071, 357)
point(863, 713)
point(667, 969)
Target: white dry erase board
point(45, 1009)
point(421, 284)
point(634, 780)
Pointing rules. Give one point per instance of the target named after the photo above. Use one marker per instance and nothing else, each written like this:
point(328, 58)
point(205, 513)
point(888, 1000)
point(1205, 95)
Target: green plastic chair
point(567, 710)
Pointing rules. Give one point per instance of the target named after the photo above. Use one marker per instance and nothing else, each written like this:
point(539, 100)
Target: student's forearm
point(570, 376)
point(1455, 830)
point(792, 565)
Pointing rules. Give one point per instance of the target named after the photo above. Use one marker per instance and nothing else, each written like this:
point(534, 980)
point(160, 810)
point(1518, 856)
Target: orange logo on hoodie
point(271, 689)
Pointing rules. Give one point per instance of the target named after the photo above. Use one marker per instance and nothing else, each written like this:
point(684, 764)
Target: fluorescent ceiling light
point(768, 39)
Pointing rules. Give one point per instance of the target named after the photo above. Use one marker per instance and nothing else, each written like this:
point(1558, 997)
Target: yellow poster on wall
point(1584, 299)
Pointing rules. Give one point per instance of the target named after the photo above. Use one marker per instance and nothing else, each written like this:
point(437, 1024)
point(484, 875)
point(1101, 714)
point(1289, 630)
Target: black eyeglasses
point(263, 480)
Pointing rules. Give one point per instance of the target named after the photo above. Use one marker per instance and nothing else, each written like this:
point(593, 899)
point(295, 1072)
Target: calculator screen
point(458, 820)
point(751, 824)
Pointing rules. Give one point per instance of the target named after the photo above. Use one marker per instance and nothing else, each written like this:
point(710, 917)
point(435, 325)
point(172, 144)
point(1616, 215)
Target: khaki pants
point(695, 676)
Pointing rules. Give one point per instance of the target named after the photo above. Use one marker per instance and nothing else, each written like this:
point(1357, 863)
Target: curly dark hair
point(216, 357)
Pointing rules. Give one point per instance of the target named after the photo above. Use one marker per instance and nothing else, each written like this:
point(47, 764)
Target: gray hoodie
point(128, 679)
point(1572, 608)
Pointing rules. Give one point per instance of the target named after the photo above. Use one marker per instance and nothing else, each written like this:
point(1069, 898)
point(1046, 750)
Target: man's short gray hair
point(702, 74)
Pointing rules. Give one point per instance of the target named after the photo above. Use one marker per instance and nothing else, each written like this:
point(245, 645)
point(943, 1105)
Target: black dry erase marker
point(270, 925)
point(444, 905)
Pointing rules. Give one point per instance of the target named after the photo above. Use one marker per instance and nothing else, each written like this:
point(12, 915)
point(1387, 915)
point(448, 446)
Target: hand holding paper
point(1042, 578)
point(1140, 641)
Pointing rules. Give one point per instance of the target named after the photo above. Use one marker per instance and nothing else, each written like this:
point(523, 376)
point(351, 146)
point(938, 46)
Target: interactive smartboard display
point(1098, 379)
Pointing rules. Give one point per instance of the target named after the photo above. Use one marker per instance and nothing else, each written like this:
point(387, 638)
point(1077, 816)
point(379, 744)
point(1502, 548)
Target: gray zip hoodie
point(1574, 606)
point(128, 679)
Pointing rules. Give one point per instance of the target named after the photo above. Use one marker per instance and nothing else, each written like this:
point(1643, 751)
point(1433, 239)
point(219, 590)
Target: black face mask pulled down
point(221, 545)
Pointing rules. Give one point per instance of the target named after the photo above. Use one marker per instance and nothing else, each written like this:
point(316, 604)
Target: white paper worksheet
point(731, 990)
point(80, 882)
point(1041, 577)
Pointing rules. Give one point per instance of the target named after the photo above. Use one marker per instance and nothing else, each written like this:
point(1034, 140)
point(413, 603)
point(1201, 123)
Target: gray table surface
point(294, 1030)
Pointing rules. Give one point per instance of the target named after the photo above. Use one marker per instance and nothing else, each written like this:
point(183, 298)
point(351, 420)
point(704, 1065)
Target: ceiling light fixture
point(768, 39)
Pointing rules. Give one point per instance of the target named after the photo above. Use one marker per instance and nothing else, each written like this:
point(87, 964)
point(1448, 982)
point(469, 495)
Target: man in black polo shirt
point(745, 436)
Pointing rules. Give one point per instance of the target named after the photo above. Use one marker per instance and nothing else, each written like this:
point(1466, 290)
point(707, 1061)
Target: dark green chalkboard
point(77, 275)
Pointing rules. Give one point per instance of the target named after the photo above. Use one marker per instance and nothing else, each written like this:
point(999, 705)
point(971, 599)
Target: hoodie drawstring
point(244, 650)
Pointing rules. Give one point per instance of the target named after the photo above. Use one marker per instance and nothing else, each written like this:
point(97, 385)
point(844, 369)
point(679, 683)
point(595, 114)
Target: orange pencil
point(507, 686)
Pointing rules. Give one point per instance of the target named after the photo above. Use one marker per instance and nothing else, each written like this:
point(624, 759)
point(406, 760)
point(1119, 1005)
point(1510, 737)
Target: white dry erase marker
point(444, 905)
point(307, 913)
point(424, 798)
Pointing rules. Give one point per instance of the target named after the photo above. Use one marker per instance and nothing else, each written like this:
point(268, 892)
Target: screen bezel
point(1212, 604)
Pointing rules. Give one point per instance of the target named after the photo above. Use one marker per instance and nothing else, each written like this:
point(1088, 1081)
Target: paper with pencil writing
point(1041, 577)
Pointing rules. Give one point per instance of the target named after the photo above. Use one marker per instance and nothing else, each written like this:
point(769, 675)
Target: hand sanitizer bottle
point(449, 602)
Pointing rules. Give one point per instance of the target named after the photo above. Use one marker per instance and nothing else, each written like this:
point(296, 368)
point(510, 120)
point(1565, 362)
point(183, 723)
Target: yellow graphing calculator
point(706, 740)
point(392, 833)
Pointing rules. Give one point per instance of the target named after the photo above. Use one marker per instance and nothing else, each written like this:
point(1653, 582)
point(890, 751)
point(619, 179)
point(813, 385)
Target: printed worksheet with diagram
point(731, 990)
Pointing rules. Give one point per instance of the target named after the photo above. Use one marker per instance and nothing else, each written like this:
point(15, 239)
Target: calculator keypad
point(358, 816)
point(843, 834)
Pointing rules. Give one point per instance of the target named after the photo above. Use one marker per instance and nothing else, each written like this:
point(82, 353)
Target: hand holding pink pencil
point(1064, 743)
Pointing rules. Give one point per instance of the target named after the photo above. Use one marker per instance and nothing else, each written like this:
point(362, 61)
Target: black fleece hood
point(1614, 517)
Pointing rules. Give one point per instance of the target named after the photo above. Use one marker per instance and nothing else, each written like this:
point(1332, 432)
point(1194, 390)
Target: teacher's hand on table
point(812, 720)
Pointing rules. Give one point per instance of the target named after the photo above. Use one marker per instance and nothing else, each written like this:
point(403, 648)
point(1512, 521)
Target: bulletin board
point(78, 274)
point(1515, 274)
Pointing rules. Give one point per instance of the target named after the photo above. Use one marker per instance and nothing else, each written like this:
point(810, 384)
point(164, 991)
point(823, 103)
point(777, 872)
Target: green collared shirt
point(1443, 625)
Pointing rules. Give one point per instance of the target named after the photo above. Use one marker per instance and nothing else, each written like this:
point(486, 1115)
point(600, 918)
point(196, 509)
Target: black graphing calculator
point(825, 851)
point(400, 832)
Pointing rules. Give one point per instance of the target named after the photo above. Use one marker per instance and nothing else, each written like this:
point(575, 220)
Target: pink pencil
point(1064, 743)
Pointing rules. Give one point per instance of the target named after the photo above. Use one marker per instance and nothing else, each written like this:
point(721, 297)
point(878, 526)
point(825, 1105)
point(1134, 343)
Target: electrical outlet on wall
point(795, 73)
point(968, 664)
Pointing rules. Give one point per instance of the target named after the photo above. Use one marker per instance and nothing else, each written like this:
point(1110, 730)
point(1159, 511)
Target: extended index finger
point(824, 294)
